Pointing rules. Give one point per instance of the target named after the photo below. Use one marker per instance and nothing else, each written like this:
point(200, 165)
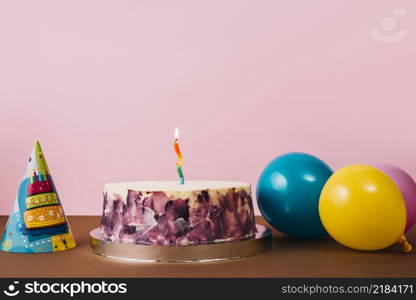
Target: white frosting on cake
point(173, 188)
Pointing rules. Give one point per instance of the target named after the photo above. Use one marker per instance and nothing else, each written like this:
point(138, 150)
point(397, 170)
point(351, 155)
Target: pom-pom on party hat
point(37, 223)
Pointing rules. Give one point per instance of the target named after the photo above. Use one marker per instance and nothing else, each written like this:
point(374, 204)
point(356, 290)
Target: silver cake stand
point(220, 251)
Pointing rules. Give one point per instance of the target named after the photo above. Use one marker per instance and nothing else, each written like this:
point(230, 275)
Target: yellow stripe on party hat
point(41, 200)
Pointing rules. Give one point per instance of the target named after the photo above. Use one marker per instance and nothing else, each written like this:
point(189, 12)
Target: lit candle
point(179, 155)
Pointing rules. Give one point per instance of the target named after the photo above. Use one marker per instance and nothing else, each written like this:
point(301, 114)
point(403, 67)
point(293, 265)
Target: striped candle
point(179, 155)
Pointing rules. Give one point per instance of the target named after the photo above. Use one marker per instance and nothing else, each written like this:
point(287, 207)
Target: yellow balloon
point(362, 208)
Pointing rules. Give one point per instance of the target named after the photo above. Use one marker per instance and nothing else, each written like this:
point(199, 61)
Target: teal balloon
point(288, 193)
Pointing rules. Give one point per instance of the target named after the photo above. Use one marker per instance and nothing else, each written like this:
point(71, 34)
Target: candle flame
point(176, 133)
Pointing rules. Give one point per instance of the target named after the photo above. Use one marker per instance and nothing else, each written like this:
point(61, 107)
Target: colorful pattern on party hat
point(37, 223)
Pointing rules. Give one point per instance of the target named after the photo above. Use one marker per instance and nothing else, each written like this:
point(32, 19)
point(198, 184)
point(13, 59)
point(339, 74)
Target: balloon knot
point(406, 246)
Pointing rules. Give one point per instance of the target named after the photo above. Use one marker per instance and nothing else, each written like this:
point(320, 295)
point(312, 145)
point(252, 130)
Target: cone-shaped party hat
point(37, 223)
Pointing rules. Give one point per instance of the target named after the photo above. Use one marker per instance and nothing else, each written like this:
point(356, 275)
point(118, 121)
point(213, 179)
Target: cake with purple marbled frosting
point(168, 213)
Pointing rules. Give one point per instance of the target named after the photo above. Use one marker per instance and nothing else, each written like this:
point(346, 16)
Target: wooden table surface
point(289, 258)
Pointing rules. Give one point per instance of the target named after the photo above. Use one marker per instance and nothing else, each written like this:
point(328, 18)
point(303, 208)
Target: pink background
point(103, 84)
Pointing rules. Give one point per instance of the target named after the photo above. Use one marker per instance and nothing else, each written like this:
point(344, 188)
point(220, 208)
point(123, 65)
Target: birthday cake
point(43, 208)
point(168, 213)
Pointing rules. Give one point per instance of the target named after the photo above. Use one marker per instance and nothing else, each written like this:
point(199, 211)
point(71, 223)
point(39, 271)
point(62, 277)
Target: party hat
point(37, 223)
